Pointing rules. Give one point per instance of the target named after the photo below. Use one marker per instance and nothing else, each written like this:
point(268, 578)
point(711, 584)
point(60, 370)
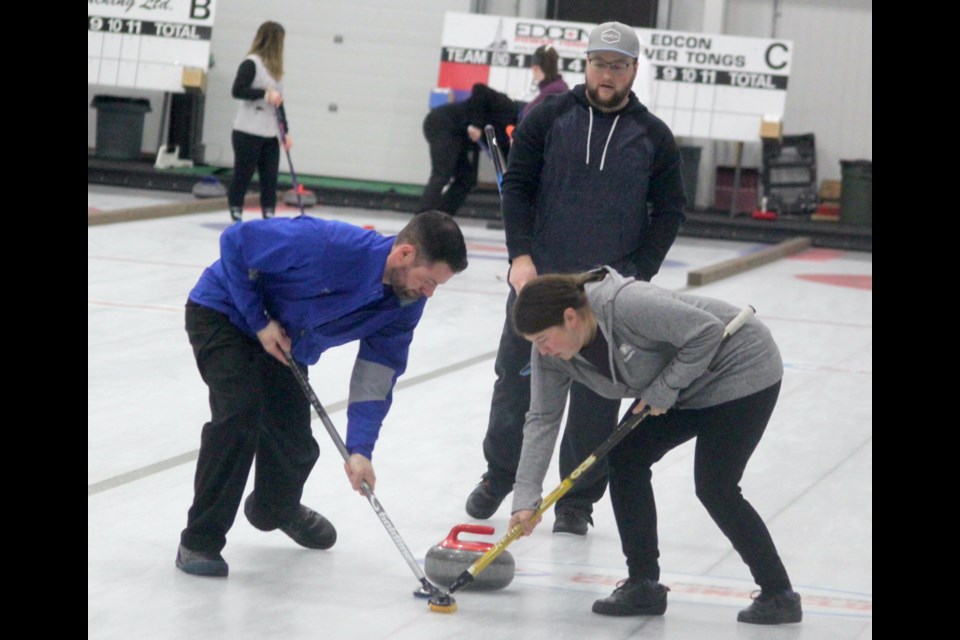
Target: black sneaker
point(268, 213)
point(311, 530)
point(634, 597)
point(236, 214)
point(483, 502)
point(201, 563)
point(570, 520)
point(773, 608)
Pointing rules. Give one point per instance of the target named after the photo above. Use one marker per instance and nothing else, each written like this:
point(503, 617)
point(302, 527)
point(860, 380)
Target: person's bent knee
point(713, 495)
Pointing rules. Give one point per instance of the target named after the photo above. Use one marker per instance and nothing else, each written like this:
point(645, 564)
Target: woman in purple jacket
point(546, 73)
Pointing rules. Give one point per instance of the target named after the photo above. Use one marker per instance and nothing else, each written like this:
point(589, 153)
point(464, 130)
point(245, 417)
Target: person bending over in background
point(454, 131)
point(625, 338)
point(255, 136)
point(301, 286)
point(593, 178)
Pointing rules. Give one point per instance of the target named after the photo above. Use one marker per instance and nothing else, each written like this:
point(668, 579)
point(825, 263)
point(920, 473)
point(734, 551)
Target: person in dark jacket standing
point(626, 338)
point(300, 286)
point(593, 179)
point(454, 132)
point(545, 67)
point(255, 136)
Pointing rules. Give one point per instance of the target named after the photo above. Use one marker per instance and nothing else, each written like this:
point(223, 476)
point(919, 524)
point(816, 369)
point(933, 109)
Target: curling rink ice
point(811, 478)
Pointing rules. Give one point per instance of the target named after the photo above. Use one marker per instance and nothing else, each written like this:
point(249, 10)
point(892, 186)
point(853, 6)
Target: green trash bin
point(119, 126)
point(856, 192)
point(690, 171)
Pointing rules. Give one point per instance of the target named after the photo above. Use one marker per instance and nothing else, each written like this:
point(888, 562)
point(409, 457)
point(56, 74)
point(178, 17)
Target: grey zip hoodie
point(664, 347)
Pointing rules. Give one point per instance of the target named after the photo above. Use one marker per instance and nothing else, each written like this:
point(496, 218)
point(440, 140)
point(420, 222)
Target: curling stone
point(209, 187)
point(452, 556)
point(307, 197)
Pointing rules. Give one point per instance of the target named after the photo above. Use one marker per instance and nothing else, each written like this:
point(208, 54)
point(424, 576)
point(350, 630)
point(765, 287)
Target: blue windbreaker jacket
point(322, 280)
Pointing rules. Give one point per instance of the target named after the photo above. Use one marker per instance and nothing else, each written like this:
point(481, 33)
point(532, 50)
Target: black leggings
point(254, 153)
point(727, 435)
point(258, 410)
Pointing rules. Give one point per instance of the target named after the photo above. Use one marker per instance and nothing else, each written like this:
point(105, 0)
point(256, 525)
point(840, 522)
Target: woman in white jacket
point(255, 136)
point(626, 338)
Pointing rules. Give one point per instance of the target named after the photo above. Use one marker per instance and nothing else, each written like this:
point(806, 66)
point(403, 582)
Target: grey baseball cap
point(616, 37)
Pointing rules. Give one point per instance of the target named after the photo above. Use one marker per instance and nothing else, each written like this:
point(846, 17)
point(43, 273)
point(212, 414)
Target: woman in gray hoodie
point(626, 338)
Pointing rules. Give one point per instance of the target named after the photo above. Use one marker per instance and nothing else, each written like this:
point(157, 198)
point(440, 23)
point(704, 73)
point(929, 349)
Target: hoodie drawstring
point(606, 145)
point(589, 133)
point(609, 135)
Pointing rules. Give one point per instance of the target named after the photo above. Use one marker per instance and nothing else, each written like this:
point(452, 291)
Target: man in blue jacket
point(593, 179)
point(301, 286)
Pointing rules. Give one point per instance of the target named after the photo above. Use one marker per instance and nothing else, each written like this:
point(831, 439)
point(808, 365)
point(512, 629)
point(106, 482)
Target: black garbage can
point(119, 126)
point(690, 171)
point(856, 192)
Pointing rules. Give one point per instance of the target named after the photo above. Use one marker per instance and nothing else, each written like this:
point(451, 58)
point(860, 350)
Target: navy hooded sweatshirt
point(585, 188)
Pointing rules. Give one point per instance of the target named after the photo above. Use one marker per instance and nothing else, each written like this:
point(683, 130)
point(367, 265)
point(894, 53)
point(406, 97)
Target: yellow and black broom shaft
point(625, 427)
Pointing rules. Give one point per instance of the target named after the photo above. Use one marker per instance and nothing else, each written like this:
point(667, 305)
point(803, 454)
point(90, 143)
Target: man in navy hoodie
point(593, 179)
point(301, 286)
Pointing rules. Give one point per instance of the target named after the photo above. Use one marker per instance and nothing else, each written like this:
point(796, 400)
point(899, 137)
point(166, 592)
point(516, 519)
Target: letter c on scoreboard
point(771, 53)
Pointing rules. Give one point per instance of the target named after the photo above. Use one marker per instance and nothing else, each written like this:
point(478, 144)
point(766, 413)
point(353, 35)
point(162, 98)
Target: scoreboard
point(146, 44)
point(702, 85)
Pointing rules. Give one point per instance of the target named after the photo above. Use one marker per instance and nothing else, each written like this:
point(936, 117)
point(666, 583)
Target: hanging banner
point(147, 44)
point(702, 85)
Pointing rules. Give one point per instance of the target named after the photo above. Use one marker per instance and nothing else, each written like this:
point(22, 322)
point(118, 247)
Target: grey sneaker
point(311, 530)
point(634, 597)
point(201, 563)
point(773, 608)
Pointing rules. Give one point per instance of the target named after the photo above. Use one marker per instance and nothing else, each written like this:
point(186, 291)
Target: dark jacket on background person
point(484, 106)
point(454, 157)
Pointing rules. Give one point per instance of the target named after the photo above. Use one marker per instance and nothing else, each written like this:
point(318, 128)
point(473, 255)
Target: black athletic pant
point(257, 410)
point(727, 435)
point(590, 420)
point(454, 161)
point(254, 153)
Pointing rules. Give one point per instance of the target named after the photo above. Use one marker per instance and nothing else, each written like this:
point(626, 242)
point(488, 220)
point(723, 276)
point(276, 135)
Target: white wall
point(380, 76)
point(355, 107)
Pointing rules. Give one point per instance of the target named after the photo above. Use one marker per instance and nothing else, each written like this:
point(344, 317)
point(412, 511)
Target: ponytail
point(542, 301)
point(547, 58)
